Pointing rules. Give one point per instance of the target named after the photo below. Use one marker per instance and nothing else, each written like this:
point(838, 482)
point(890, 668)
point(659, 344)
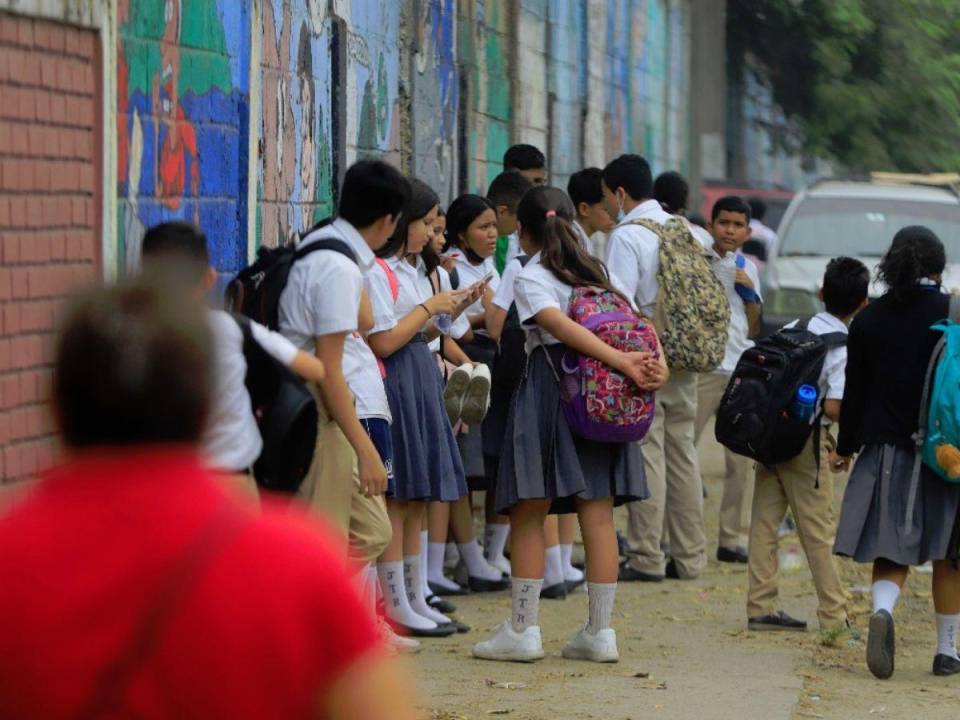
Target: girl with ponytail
point(544, 468)
point(896, 514)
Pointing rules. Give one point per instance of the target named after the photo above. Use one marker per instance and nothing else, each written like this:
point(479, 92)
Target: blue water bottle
point(804, 404)
point(444, 323)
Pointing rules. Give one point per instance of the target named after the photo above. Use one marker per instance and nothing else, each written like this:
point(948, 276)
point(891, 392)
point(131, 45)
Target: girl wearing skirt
point(427, 464)
point(891, 517)
point(544, 468)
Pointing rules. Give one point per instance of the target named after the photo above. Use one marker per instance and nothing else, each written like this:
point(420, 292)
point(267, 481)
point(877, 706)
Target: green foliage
point(874, 84)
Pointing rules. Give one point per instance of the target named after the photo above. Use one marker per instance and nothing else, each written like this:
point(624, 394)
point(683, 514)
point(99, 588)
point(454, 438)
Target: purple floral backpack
point(598, 402)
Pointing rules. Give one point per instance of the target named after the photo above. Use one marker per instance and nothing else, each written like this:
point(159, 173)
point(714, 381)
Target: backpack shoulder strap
point(338, 246)
point(834, 339)
point(391, 278)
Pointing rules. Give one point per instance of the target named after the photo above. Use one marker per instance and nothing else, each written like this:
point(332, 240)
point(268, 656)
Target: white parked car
point(857, 219)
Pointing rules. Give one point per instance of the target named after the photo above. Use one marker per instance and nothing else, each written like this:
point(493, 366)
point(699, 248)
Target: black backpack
point(512, 354)
point(754, 416)
point(285, 411)
point(255, 291)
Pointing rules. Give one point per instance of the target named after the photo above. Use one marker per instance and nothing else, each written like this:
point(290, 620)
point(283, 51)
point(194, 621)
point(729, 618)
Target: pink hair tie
point(551, 213)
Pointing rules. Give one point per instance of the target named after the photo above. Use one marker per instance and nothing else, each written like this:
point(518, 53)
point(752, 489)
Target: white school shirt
point(738, 339)
point(503, 298)
point(469, 274)
point(635, 253)
point(537, 289)
point(322, 297)
point(513, 247)
point(766, 235)
point(232, 439)
point(833, 376)
point(460, 326)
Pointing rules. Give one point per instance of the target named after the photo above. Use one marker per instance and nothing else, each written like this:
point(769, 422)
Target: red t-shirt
point(260, 632)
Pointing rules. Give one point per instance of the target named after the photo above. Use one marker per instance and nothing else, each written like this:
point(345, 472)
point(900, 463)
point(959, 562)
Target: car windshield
point(864, 227)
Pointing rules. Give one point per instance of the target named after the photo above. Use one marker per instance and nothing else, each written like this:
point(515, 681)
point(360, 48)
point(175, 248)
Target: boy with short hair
point(527, 160)
point(504, 194)
point(801, 484)
point(585, 189)
point(232, 441)
point(319, 312)
point(729, 229)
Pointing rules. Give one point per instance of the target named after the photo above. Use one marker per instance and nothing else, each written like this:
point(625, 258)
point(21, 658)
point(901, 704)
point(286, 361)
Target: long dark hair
point(422, 200)
point(431, 259)
point(915, 253)
point(461, 213)
point(546, 215)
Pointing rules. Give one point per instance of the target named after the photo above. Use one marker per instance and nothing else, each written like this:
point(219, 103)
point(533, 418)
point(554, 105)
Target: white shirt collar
point(648, 207)
point(396, 261)
point(833, 321)
point(343, 230)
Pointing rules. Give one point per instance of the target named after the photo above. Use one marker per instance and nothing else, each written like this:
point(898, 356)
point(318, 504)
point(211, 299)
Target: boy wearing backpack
point(730, 228)
point(648, 246)
point(802, 483)
point(319, 311)
point(231, 441)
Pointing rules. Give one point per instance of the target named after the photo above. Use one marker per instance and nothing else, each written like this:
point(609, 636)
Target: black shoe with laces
point(944, 665)
point(731, 555)
point(777, 621)
point(629, 574)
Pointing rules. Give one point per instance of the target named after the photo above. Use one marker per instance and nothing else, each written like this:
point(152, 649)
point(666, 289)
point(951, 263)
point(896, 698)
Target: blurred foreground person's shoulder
point(133, 582)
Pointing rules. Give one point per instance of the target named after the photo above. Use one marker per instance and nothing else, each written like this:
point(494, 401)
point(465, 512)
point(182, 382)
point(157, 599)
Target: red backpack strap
point(391, 278)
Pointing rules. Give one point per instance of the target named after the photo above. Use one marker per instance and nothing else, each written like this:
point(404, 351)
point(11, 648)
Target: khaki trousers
point(676, 493)
point(738, 478)
point(332, 489)
point(793, 484)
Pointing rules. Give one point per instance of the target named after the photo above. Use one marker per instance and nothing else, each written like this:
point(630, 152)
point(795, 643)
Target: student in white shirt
point(427, 464)
point(676, 495)
point(545, 468)
point(803, 484)
point(232, 441)
point(320, 312)
point(504, 194)
point(593, 221)
point(730, 228)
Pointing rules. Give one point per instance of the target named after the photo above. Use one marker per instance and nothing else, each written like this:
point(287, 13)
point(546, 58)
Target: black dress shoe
point(945, 665)
point(440, 605)
point(458, 627)
point(442, 591)
point(445, 630)
point(629, 574)
point(778, 621)
point(557, 591)
point(731, 555)
point(671, 570)
point(481, 585)
point(572, 585)
point(882, 645)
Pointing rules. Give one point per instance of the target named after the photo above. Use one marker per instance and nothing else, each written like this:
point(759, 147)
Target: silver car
point(857, 219)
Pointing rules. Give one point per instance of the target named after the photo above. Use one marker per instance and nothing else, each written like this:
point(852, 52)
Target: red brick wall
point(50, 184)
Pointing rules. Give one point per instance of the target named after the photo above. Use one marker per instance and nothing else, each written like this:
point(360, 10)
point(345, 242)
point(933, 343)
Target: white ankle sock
point(570, 573)
point(553, 567)
point(424, 564)
point(435, 568)
point(885, 595)
point(476, 566)
point(452, 556)
point(947, 634)
point(526, 603)
point(396, 605)
point(600, 600)
point(412, 576)
point(495, 538)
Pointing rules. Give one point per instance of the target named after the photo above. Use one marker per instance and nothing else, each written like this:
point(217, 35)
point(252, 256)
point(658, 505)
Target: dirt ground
point(686, 654)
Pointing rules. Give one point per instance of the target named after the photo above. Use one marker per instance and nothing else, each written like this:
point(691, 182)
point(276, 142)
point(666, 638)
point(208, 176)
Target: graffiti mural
point(618, 79)
point(294, 184)
point(567, 46)
point(435, 80)
point(183, 122)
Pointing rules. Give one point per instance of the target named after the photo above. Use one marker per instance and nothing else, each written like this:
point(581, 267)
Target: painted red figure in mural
point(180, 142)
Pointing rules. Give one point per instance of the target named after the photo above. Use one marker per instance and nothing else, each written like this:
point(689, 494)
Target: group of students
point(432, 346)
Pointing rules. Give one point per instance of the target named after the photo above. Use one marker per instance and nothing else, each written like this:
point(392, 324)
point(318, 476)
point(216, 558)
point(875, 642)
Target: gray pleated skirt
point(873, 522)
point(426, 460)
point(541, 458)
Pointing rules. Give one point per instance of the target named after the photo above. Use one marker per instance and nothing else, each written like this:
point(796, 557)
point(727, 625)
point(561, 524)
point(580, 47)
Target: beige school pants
point(332, 488)
point(793, 484)
point(676, 493)
point(738, 478)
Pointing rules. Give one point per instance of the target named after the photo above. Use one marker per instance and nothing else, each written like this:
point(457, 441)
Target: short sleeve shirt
point(469, 274)
point(504, 296)
point(833, 376)
point(738, 332)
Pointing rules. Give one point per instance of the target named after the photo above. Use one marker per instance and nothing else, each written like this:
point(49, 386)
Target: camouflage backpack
point(693, 313)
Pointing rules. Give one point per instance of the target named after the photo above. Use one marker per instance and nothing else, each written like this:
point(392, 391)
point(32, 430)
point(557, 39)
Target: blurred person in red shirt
point(136, 585)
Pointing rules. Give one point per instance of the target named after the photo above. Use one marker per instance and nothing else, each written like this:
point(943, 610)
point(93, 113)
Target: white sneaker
point(601, 647)
point(511, 646)
point(395, 642)
point(476, 397)
point(501, 564)
point(455, 390)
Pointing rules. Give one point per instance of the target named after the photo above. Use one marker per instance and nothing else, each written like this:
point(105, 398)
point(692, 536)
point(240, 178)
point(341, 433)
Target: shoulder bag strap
point(188, 570)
